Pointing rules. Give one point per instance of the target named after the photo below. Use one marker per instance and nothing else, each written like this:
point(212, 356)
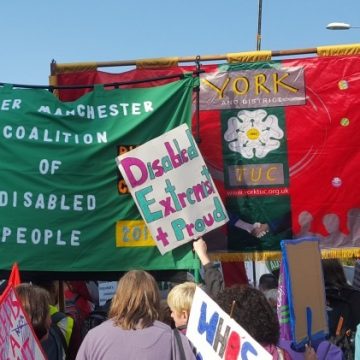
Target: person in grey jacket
point(213, 278)
point(133, 331)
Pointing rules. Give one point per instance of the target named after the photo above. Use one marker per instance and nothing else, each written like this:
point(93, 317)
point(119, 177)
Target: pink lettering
point(136, 176)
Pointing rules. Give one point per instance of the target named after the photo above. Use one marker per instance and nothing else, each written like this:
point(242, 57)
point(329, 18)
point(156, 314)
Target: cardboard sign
point(172, 188)
point(17, 339)
point(216, 335)
point(305, 290)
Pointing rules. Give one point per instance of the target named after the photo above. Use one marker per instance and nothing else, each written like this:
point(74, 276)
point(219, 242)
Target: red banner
point(320, 143)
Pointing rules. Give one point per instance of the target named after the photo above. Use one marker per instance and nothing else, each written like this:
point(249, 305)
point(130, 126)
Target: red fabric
point(100, 77)
point(234, 273)
point(319, 147)
point(78, 306)
point(321, 135)
point(77, 295)
point(14, 280)
point(277, 352)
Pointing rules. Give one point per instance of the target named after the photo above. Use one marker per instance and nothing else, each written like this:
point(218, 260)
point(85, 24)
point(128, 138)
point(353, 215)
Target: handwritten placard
point(172, 188)
point(107, 290)
point(305, 289)
point(17, 339)
point(216, 335)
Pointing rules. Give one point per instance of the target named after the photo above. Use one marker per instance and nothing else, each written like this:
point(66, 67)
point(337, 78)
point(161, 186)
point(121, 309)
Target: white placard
point(172, 188)
point(107, 290)
point(17, 338)
point(217, 336)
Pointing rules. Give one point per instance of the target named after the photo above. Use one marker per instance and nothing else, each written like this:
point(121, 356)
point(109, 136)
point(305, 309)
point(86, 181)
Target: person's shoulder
point(331, 351)
point(160, 325)
point(105, 326)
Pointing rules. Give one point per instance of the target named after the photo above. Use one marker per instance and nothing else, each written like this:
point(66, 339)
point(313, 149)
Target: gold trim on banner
point(73, 67)
point(345, 253)
point(350, 49)
point(53, 82)
point(157, 63)
point(245, 256)
point(250, 56)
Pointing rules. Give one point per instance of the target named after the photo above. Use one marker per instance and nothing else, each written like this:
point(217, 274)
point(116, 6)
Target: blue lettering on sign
point(232, 343)
point(210, 327)
point(247, 347)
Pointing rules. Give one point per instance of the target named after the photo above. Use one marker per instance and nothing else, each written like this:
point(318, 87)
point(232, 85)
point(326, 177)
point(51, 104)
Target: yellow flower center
point(253, 134)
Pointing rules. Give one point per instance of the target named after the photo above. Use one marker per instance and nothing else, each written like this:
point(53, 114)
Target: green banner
point(63, 203)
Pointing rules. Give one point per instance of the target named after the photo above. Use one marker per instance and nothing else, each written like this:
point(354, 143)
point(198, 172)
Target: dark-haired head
point(268, 282)
point(252, 311)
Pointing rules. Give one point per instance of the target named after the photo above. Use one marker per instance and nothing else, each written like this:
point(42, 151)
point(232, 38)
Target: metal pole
point(258, 48)
point(258, 35)
point(74, 67)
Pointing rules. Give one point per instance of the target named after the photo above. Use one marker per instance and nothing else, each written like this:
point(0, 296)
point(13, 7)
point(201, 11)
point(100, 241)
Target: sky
point(35, 32)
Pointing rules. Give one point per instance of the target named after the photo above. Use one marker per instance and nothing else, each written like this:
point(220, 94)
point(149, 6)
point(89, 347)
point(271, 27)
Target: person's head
point(271, 296)
point(180, 300)
point(136, 303)
point(305, 219)
point(353, 220)
point(252, 311)
point(331, 223)
point(333, 271)
point(267, 282)
point(35, 302)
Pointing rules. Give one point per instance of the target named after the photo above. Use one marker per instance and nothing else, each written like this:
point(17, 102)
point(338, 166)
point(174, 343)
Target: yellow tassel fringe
point(344, 253)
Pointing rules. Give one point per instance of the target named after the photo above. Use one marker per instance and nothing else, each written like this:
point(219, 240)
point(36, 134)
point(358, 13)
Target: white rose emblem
point(253, 133)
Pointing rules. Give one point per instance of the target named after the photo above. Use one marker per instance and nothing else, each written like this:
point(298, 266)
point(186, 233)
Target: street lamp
point(340, 26)
point(258, 35)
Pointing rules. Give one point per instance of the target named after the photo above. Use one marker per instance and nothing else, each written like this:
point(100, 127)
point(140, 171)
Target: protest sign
point(17, 339)
point(305, 290)
point(107, 290)
point(172, 188)
point(216, 335)
point(14, 279)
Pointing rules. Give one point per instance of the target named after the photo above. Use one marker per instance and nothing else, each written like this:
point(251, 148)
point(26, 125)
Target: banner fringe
point(53, 82)
point(344, 253)
point(250, 56)
point(350, 49)
point(157, 63)
point(74, 67)
point(245, 256)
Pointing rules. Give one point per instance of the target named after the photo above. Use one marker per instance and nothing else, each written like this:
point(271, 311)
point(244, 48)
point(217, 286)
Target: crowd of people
point(141, 324)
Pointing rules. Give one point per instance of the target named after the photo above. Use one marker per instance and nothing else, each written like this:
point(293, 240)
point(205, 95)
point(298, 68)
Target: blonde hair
point(136, 303)
point(181, 296)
